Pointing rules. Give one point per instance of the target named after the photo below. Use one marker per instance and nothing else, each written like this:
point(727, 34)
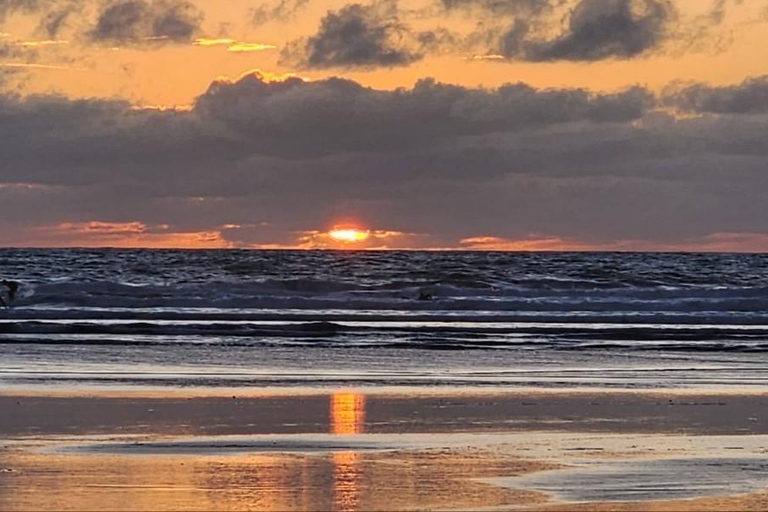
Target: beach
point(385, 255)
point(368, 450)
point(144, 380)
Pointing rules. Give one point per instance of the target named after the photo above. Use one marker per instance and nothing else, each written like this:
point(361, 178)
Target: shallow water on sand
point(648, 480)
point(349, 452)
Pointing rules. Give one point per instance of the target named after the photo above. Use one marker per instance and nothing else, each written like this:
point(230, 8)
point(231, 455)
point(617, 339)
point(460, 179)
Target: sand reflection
point(264, 478)
point(347, 413)
point(347, 418)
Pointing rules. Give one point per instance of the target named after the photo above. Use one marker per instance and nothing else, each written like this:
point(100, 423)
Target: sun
point(349, 235)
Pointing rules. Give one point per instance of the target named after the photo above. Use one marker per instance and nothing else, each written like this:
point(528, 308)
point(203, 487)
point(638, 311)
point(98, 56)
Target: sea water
point(238, 318)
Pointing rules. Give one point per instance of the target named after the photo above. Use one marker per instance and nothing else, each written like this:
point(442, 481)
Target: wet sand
point(383, 451)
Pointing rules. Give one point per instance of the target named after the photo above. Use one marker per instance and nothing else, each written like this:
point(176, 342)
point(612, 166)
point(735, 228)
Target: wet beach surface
point(353, 450)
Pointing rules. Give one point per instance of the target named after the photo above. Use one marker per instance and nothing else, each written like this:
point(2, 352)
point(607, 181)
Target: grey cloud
point(292, 120)
point(706, 32)
point(524, 8)
point(749, 97)
point(53, 13)
point(9, 50)
point(283, 11)
point(340, 115)
point(56, 15)
point(52, 23)
point(9, 6)
point(141, 22)
point(438, 159)
point(597, 29)
point(356, 36)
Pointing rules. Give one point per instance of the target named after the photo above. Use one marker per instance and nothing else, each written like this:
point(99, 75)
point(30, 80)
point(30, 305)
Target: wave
point(308, 294)
point(373, 315)
point(439, 301)
point(392, 333)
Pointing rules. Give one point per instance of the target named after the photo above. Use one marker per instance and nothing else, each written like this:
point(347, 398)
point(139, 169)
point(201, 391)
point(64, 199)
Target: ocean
point(246, 318)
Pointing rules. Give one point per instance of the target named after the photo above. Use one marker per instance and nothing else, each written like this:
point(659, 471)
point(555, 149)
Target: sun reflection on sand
point(347, 418)
point(208, 475)
point(347, 413)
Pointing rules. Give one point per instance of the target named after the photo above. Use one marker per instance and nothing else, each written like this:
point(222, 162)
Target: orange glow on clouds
point(126, 235)
point(263, 76)
point(716, 242)
point(233, 45)
point(349, 235)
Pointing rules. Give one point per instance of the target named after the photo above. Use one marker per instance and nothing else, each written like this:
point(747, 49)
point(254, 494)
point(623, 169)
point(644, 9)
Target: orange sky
point(176, 74)
point(710, 42)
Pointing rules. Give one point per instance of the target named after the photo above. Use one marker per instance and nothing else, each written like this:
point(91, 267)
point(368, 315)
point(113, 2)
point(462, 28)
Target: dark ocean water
point(254, 318)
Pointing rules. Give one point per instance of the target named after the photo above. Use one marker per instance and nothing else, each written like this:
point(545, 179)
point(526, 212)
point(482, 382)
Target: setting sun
point(348, 235)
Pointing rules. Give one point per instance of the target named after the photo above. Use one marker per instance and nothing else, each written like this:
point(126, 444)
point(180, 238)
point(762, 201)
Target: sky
point(428, 124)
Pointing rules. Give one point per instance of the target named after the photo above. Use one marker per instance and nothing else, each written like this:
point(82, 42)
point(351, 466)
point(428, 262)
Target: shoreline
point(154, 391)
point(351, 450)
point(655, 412)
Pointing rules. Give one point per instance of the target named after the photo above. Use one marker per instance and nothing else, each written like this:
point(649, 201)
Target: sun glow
point(350, 235)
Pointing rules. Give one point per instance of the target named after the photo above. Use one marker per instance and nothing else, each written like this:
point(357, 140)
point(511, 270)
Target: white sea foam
point(223, 308)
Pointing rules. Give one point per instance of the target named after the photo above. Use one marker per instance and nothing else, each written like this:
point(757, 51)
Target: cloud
point(284, 10)
point(53, 22)
point(10, 49)
point(9, 6)
point(748, 97)
point(54, 14)
point(126, 235)
point(142, 22)
point(716, 242)
point(376, 240)
point(597, 29)
point(296, 118)
point(284, 158)
point(523, 8)
point(362, 36)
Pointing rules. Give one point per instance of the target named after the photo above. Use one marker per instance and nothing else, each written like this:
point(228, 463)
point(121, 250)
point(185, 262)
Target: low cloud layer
point(294, 118)
point(260, 162)
point(749, 97)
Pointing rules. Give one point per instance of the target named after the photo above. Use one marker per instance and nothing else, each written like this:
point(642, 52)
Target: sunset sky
point(473, 124)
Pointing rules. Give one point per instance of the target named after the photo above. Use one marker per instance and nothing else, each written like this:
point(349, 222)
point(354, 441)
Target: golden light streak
point(488, 57)
point(349, 235)
point(37, 44)
point(162, 108)
point(233, 45)
point(127, 234)
point(347, 413)
point(249, 47)
point(347, 418)
point(265, 76)
point(346, 485)
point(39, 66)
point(202, 41)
